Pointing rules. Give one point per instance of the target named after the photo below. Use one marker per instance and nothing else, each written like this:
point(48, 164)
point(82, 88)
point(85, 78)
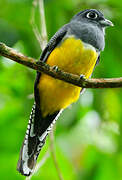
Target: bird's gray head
point(93, 16)
point(89, 26)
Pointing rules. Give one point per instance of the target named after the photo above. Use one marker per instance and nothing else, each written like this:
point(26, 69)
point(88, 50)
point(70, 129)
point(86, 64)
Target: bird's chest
point(72, 56)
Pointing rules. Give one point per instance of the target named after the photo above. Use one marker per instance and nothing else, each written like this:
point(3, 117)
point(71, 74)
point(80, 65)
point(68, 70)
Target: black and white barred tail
point(37, 130)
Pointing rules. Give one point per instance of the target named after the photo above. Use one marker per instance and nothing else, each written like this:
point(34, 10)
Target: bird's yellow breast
point(72, 56)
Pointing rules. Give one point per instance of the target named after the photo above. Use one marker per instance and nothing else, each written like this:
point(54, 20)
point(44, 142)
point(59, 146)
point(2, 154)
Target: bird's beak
point(106, 22)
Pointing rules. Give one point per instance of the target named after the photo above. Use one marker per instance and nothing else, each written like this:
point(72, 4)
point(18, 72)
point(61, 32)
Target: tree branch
point(43, 24)
point(52, 149)
point(33, 24)
point(41, 37)
point(57, 73)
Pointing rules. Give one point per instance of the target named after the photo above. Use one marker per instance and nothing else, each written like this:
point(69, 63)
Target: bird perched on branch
point(75, 48)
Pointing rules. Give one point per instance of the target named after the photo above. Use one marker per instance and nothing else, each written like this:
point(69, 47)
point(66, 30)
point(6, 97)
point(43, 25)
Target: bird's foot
point(82, 77)
point(55, 68)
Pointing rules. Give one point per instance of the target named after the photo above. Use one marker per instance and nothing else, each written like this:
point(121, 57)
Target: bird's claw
point(55, 68)
point(82, 76)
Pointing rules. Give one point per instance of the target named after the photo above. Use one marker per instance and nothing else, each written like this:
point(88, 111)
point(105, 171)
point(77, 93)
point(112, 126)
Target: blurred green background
point(88, 135)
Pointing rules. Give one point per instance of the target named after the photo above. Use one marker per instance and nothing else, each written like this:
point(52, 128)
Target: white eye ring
point(91, 15)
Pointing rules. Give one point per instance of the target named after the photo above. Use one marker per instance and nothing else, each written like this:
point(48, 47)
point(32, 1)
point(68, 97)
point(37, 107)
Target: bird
point(75, 48)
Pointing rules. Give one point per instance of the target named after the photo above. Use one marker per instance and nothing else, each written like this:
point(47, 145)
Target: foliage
point(88, 134)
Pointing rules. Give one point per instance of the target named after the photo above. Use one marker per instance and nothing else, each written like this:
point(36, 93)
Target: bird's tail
point(37, 130)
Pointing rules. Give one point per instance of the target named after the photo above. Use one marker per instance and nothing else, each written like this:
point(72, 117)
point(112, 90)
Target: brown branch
point(57, 73)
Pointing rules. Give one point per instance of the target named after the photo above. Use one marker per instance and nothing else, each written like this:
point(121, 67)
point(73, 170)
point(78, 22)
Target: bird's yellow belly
point(73, 57)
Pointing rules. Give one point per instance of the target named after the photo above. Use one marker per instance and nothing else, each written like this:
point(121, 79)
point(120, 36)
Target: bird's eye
point(91, 15)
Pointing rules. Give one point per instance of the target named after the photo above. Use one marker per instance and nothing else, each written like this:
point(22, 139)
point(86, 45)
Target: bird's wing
point(54, 41)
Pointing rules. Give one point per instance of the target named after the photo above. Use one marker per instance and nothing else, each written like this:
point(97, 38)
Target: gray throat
point(88, 33)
